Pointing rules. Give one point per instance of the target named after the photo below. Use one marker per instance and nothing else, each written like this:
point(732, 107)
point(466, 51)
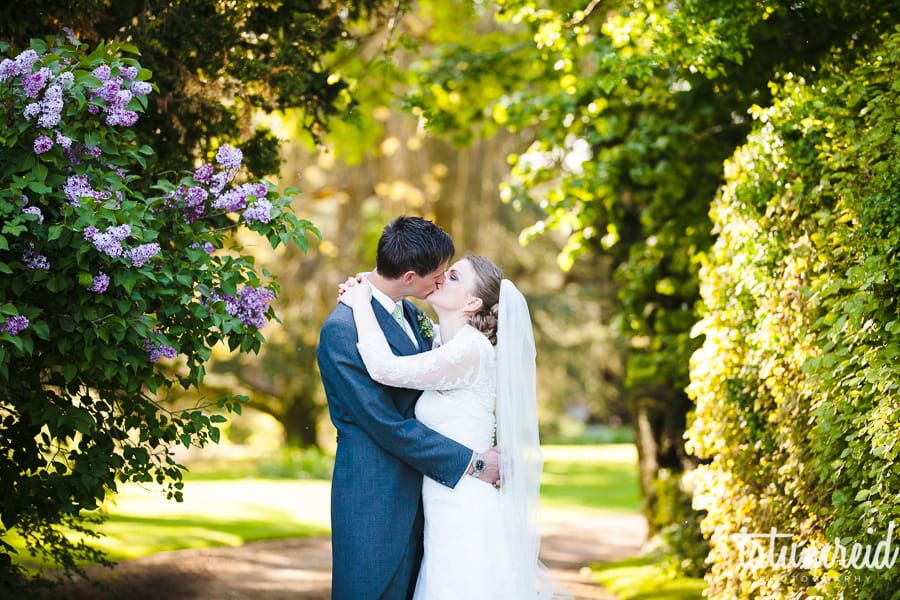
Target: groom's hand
point(491, 473)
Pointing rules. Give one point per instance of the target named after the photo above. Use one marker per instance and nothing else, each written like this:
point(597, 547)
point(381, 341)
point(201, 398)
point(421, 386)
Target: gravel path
point(300, 568)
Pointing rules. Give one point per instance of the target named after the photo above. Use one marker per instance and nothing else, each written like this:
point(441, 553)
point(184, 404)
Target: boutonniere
point(426, 326)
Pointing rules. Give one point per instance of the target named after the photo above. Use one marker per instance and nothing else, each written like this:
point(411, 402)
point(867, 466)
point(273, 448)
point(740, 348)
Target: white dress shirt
point(389, 305)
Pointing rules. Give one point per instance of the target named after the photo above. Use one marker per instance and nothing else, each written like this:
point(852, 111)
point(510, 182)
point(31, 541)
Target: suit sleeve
point(373, 410)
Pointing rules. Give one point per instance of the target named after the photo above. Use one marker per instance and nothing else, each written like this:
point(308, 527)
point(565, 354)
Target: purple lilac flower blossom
point(203, 174)
point(34, 260)
point(34, 210)
point(77, 187)
point(129, 73)
point(51, 107)
point(42, 144)
point(34, 83)
point(229, 158)
point(102, 73)
point(230, 201)
point(235, 199)
point(250, 305)
point(139, 255)
point(99, 283)
point(190, 200)
point(26, 60)
point(8, 69)
point(64, 141)
point(108, 245)
point(66, 78)
point(141, 88)
point(218, 182)
point(14, 325)
point(257, 190)
point(32, 110)
point(125, 118)
point(123, 98)
point(89, 232)
point(158, 351)
point(259, 211)
point(206, 246)
point(110, 241)
point(115, 170)
point(110, 92)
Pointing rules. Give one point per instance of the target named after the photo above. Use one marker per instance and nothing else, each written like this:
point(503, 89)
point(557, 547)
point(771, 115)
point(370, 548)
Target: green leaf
point(41, 329)
point(69, 371)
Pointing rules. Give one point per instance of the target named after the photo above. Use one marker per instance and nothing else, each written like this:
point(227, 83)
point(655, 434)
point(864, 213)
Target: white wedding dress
point(467, 553)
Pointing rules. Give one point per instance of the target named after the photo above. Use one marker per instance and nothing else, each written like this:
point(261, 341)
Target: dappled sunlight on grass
point(214, 513)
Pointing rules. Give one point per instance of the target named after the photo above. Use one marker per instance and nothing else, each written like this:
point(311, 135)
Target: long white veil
point(521, 460)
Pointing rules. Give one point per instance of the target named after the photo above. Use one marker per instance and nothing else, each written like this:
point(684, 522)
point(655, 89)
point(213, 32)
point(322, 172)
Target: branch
point(584, 14)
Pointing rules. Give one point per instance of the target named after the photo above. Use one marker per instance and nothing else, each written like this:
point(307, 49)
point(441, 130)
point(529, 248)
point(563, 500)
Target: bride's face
point(455, 293)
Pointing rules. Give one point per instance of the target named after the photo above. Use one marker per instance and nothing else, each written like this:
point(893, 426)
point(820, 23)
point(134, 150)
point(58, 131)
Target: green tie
point(398, 315)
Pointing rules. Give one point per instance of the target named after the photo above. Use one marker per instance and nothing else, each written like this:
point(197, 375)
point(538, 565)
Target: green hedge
point(797, 383)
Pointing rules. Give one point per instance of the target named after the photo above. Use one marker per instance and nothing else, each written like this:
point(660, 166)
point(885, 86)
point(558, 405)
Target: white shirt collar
point(383, 299)
point(389, 305)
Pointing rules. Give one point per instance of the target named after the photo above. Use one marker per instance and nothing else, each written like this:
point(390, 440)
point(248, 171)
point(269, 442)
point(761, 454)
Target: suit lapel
point(396, 337)
point(412, 315)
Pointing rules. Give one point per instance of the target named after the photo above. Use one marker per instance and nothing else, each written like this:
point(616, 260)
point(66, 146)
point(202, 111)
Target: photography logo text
point(780, 551)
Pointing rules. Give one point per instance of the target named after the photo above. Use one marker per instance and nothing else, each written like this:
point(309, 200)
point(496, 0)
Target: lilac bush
point(113, 290)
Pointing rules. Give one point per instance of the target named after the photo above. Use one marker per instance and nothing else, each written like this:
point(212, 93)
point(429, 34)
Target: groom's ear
point(408, 277)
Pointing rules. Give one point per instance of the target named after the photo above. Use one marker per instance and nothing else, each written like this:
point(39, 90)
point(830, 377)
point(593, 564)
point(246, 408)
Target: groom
point(383, 451)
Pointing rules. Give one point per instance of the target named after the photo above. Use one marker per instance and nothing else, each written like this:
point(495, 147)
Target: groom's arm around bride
point(383, 451)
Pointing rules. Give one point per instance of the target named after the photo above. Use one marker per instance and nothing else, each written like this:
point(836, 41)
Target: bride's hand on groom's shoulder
point(354, 291)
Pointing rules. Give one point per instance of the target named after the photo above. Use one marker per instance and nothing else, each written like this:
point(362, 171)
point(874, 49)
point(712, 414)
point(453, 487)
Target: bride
point(481, 543)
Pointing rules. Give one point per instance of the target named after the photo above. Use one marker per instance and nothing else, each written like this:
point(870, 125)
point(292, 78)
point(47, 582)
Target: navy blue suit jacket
point(382, 453)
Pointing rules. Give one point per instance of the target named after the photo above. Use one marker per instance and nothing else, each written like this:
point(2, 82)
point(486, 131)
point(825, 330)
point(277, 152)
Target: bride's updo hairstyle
point(487, 287)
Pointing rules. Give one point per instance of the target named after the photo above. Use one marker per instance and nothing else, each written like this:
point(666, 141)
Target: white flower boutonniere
point(426, 326)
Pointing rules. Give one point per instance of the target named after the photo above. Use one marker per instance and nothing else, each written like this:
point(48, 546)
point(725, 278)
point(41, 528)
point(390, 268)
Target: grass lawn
point(220, 510)
point(593, 480)
point(214, 513)
point(640, 579)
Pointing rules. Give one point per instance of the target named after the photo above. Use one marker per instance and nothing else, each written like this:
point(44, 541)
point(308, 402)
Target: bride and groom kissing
point(423, 505)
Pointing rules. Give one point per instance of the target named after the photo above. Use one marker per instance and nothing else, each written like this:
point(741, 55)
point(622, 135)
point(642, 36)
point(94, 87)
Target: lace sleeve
point(454, 365)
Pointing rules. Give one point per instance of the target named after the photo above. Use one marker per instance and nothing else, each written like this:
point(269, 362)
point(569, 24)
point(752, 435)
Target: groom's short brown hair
point(412, 244)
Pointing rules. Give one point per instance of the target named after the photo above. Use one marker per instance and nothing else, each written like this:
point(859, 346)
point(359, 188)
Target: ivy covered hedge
point(797, 383)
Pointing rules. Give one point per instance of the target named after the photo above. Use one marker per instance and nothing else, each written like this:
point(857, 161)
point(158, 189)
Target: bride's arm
point(450, 366)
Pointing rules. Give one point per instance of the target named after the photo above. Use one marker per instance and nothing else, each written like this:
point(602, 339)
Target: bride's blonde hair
point(487, 287)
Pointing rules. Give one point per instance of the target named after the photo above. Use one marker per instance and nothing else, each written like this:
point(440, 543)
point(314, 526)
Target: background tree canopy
point(216, 63)
point(630, 109)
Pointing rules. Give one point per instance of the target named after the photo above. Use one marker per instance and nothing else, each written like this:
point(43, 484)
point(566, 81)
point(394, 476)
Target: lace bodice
point(459, 379)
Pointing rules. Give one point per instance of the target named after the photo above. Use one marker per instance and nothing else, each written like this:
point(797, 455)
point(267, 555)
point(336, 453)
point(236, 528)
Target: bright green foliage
point(632, 107)
point(798, 381)
point(80, 408)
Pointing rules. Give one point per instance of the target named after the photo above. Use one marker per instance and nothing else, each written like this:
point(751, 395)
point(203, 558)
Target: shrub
point(113, 290)
point(798, 381)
